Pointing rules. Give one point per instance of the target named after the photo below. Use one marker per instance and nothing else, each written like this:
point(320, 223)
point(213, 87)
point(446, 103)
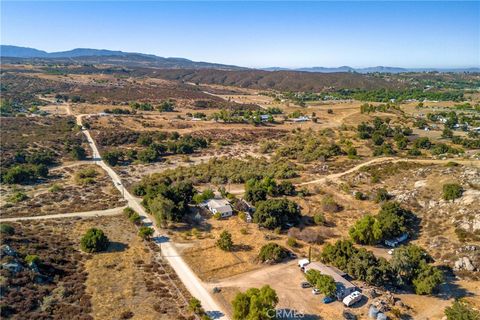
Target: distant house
point(300, 119)
point(396, 241)
point(221, 206)
point(264, 117)
point(344, 287)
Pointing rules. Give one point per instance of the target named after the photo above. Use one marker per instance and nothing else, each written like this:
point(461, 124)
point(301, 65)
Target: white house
point(221, 206)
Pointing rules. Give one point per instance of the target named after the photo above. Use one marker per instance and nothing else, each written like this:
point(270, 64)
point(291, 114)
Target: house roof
point(220, 205)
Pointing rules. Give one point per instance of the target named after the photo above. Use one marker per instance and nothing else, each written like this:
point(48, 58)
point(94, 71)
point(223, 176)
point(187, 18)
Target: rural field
point(132, 191)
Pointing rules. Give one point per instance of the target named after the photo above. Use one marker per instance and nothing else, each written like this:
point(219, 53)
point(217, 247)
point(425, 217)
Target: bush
point(381, 195)
point(461, 310)
point(135, 218)
point(195, 306)
point(86, 176)
point(55, 188)
point(452, 191)
point(225, 241)
point(128, 212)
point(359, 195)
point(292, 242)
point(94, 240)
point(32, 259)
point(329, 204)
point(319, 219)
point(145, 232)
point(272, 252)
point(18, 196)
point(7, 229)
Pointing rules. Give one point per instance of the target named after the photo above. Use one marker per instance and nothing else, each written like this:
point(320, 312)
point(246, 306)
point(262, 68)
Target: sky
point(257, 34)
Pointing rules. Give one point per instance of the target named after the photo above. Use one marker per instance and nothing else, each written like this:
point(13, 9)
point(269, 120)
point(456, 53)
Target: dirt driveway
point(285, 278)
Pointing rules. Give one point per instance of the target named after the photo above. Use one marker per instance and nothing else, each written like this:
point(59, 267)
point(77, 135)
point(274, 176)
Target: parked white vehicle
point(303, 262)
point(352, 298)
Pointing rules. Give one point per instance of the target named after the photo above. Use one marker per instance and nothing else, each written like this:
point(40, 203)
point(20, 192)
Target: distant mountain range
point(85, 55)
point(380, 69)
point(101, 56)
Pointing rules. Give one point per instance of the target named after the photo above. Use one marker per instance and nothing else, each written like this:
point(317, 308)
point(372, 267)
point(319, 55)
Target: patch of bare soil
point(62, 194)
point(131, 280)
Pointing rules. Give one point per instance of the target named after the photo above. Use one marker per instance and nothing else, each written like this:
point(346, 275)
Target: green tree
point(406, 262)
point(94, 240)
point(225, 241)
point(272, 252)
point(273, 213)
point(255, 304)
point(326, 285)
point(366, 230)
point(427, 279)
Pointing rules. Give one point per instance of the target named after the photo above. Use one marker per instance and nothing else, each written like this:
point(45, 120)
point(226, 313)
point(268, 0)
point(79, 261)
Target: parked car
point(315, 291)
point(303, 262)
point(306, 284)
point(352, 298)
point(390, 252)
point(328, 300)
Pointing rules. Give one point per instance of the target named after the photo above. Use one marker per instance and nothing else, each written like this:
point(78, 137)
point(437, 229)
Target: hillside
point(282, 80)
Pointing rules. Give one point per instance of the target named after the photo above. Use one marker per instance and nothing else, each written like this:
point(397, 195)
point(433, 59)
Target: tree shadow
point(115, 246)
point(450, 289)
point(241, 247)
point(215, 314)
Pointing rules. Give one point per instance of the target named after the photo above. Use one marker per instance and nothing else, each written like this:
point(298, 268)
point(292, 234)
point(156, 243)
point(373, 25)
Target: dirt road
point(169, 252)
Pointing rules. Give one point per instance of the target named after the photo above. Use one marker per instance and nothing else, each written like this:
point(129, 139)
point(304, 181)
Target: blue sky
point(257, 34)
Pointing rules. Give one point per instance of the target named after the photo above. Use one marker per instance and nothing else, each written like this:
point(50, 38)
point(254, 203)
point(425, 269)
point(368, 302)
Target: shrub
point(32, 259)
point(145, 232)
point(329, 204)
point(94, 240)
point(461, 310)
point(18, 196)
point(128, 212)
point(319, 219)
point(452, 191)
point(381, 195)
point(225, 241)
point(359, 195)
point(292, 242)
point(195, 306)
point(55, 188)
point(86, 176)
point(272, 252)
point(135, 218)
point(7, 229)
